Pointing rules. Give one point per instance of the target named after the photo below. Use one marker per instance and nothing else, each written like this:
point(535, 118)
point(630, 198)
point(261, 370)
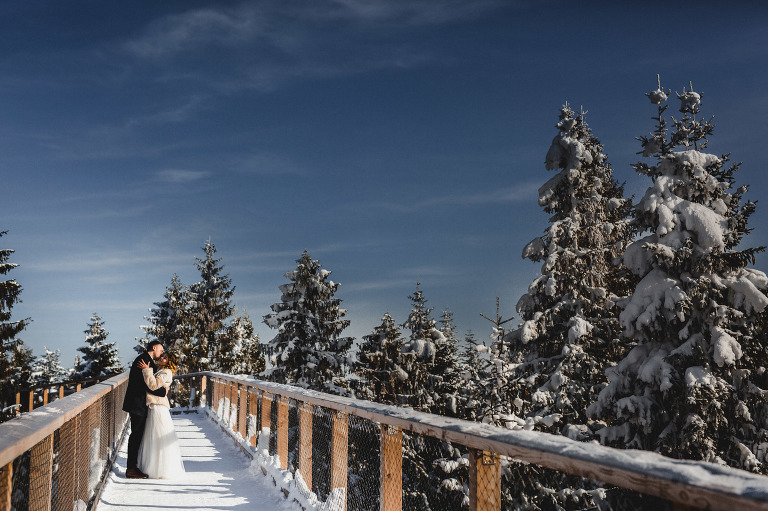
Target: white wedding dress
point(160, 454)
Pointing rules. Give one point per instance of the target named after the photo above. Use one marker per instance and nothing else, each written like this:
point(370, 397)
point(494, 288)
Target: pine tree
point(244, 347)
point(383, 380)
point(470, 369)
point(308, 349)
point(570, 327)
point(170, 322)
point(691, 388)
point(211, 309)
point(419, 352)
point(14, 365)
point(47, 368)
point(100, 358)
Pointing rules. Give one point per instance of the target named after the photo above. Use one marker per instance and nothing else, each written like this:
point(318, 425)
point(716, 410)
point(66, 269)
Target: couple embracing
point(153, 449)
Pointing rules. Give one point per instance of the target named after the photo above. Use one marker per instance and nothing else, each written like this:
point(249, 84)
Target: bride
point(160, 455)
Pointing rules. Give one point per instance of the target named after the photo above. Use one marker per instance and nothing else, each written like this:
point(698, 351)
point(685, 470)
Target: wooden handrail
point(23, 432)
point(691, 483)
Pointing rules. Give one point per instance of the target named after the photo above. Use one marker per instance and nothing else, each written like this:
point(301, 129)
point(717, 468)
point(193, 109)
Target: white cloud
point(181, 175)
point(522, 192)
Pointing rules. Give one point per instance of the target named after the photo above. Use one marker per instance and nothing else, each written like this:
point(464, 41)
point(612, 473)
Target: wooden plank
point(339, 447)
point(203, 389)
point(61, 391)
point(45, 395)
point(282, 431)
point(41, 475)
point(30, 400)
point(6, 486)
point(22, 433)
point(305, 443)
point(391, 472)
point(65, 495)
point(18, 402)
point(242, 409)
point(484, 481)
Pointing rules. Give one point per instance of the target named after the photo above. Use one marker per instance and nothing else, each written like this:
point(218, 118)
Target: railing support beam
point(6, 486)
point(484, 481)
point(391, 478)
point(339, 447)
point(282, 431)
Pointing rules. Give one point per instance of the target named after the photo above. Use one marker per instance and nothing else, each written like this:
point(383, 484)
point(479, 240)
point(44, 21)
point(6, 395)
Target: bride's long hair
point(171, 364)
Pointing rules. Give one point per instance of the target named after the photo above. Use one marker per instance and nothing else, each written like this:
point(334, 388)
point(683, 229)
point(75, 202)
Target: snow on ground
point(218, 477)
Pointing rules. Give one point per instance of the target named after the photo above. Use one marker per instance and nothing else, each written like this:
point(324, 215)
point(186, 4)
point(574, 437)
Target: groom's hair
point(152, 345)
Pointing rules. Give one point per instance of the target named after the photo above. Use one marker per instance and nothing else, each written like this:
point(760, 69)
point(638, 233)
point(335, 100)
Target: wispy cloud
point(521, 192)
point(181, 175)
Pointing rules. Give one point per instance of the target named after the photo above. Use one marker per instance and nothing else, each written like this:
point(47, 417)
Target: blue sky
point(395, 140)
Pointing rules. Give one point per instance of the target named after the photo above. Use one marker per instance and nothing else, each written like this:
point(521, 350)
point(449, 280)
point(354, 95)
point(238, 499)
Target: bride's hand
point(142, 364)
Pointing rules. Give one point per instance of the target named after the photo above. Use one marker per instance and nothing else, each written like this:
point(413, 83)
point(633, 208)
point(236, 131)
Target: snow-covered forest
point(645, 328)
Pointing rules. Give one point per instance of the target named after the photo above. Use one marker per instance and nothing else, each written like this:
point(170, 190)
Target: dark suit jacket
point(135, 401)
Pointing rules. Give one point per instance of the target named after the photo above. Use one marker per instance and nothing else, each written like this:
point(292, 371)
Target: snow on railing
point(57, 456)
point(331, 452)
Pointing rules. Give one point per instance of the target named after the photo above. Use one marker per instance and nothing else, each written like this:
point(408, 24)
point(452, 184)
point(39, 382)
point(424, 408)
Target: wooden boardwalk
point(219, 476)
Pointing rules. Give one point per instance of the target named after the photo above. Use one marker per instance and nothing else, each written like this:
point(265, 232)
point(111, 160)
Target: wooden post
point(203, 389)
point(45, 395)
point(391, 482)
point(305, 443)
point(41, 475)
point(253, 409)
point(31, 400)
point(65, 494)
point(242, 410)
point(484, 481)
point(78, 387)
point(339, 446)
point(18, 402)
point(6, 486)
point(282, 431)
point(61, 391)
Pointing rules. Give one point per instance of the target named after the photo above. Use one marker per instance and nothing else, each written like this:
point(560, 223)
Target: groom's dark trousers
point(135, 403)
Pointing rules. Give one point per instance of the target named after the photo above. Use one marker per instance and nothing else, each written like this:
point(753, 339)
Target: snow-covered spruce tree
point(47, 368)
point(210, 310)
point(418, 355)
point(569, 330)
point(309, 349)
point(446, 375)
point(693, 386)
point(100, 358)
point(382, 378)
point(170, 322)
point(471, 371)
point(243, 345)
point(10, 346)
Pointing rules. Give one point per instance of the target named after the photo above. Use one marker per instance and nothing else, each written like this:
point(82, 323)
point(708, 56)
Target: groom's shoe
point(135, 473)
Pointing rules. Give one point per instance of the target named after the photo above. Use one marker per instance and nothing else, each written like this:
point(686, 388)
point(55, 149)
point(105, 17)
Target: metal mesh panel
point(321, 451)
point(364, 464)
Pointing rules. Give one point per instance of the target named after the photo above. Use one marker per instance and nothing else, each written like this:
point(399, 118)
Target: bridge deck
point(218, 477)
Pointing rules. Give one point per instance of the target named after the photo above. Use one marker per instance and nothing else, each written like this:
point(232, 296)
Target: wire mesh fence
point(73, 446)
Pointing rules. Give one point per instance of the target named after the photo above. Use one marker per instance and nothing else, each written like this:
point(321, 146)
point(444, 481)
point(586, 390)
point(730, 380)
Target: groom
point(135, 404)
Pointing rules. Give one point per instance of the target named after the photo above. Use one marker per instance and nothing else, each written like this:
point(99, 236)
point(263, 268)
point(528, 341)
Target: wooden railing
point(28, 399)
point(57, 456)
point(244, 406)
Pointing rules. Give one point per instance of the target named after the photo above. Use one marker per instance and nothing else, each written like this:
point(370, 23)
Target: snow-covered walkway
point(219, 476)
